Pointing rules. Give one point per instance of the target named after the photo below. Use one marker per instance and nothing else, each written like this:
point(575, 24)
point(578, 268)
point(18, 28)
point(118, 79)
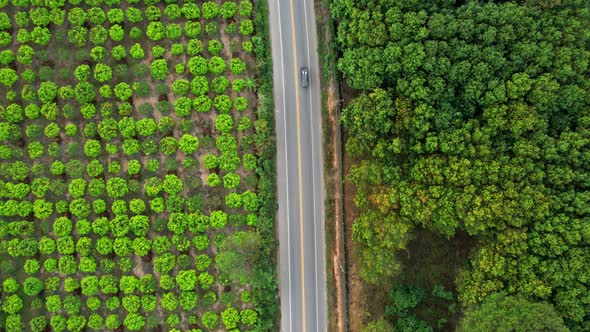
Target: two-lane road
point(299, 167)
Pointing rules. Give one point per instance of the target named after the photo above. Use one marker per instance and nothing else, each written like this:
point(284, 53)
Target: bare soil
point(365, 301)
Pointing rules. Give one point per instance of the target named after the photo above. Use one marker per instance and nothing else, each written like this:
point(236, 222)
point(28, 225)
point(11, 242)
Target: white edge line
point(315, 247)
point(286, 160)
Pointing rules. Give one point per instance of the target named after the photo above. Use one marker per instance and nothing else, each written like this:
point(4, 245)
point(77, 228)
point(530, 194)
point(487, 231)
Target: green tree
point(159, 69)
point(501, 312)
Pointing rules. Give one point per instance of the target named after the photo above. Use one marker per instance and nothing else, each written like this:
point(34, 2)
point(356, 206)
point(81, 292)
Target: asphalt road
point(302, 266)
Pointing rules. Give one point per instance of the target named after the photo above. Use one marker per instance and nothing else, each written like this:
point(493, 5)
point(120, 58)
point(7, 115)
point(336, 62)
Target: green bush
point(194, 46)
point(159, 69)
point(174, 31)
point(246, 27)
point(136, 51)
point(134, 15)
point(188, 144)
point(230, 318)
point(216, 65)
point(186, 280)
point(182, 106)
point(95, 322)
point(123, 91)
point(113, 322)
point(134, 322)
point(169, 301)
point(92, 148)
point(249, 317)
point(168, 145)
point(210, 320)
point(119, 52)
point(245, 8)
point(198, 65)
point(47, 92)
point(98, 36)
point(228, 9)
point(223, 103)
point(156, 31)
point(102, 72)
point(117, 187)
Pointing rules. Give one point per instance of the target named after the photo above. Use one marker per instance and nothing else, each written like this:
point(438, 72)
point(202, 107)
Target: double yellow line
point(296, 66)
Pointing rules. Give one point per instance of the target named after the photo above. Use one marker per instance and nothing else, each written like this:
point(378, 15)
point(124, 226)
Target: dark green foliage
point(466, 109)
point(506, 313)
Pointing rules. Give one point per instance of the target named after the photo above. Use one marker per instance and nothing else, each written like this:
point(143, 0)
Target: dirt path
point(335, 181)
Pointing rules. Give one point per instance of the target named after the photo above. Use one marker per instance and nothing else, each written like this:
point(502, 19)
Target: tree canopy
point(473, 117)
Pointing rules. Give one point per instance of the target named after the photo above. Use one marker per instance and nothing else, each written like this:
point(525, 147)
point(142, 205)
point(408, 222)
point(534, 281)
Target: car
point(304, 77)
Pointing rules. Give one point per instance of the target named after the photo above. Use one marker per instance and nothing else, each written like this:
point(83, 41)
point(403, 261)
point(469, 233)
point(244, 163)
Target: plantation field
point(129, 166)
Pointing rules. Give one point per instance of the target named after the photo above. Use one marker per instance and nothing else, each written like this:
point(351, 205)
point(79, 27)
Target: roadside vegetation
point(136, 166)
point(470, 125)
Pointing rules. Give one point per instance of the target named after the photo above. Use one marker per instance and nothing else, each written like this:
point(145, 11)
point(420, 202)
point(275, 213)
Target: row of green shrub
point(265, 280)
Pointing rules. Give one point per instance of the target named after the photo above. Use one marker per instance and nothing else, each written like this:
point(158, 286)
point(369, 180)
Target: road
point(302, 266)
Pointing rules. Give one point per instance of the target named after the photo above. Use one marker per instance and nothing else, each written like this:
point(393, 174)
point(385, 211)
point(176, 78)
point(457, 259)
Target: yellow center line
point(299, 161)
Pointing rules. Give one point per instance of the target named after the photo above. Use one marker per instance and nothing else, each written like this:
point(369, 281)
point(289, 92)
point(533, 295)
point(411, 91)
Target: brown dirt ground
point(365, 302)
point(333, 180)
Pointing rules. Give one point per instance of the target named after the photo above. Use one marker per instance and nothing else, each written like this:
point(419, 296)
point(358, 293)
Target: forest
point(136, 166)
point(472, 117)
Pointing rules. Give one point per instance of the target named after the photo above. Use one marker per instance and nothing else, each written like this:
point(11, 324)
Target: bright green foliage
point(210, 320)
point(8, 77)
point(249, 317)
point(202, 104)
point(228, 9)
point(156, 31)
point(77, 225)
point(233, 200)
point(131, 303)
point(168, 145)
point(181, 87)
point(218, 219)
point(113, 322)
point(136, 51)
point(102, 72)
point(76, 188)
point(47, 92)
point(186, 280)
point(123, 91)
point(198, 65)
point(245, 8)
point(12, 304)
point(210, 10)
point(190, 11)
point(159, 69)
point(188, 144)
point(117, 187)
point(231, 180)
point(230, 318)
point(134, 322)
point(182, 106)
point(213, 180)
point(224, 123)
point(222, 103)
point(216, 65)
point(169, 301)
point(92, 148)
point(246, 27)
